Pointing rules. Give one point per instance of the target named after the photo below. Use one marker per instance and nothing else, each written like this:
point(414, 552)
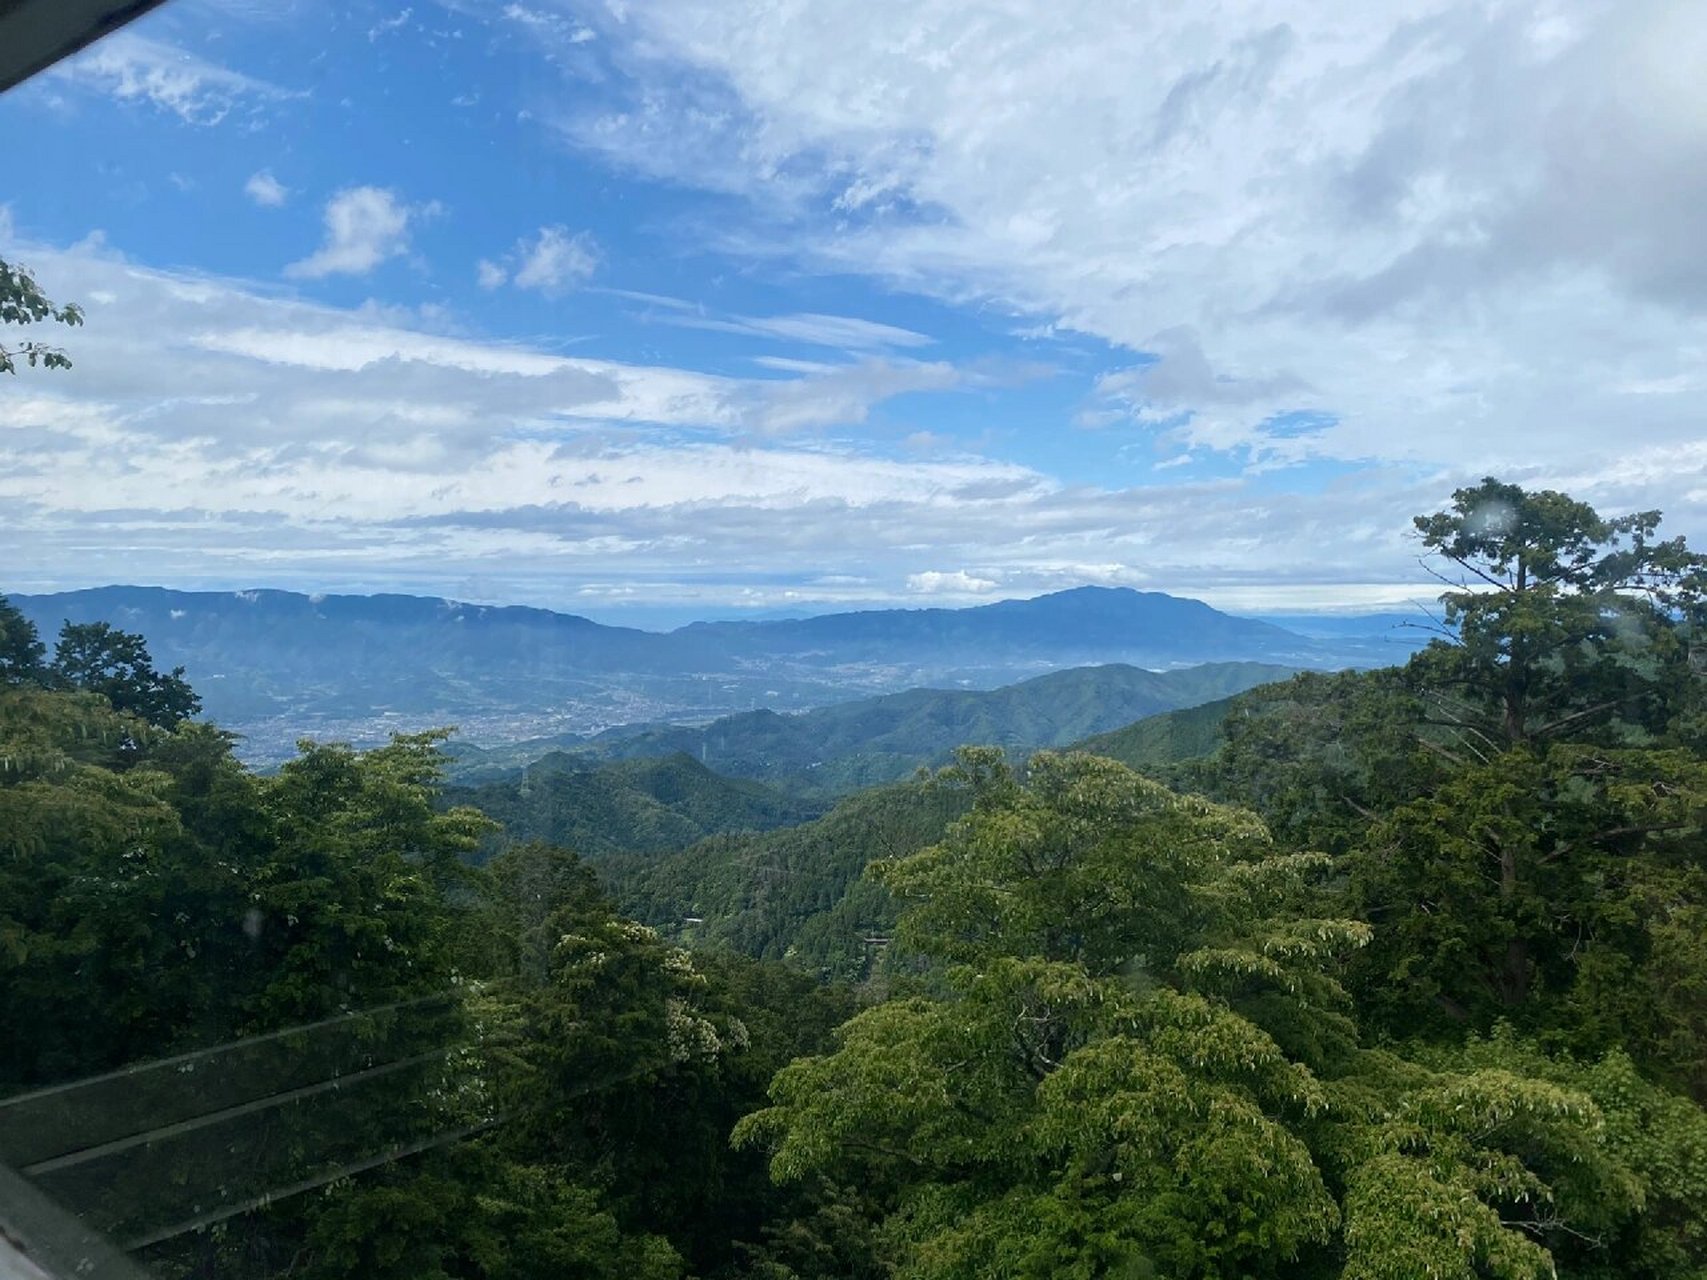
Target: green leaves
point(1138, 1058)
point(1402, 1222)
point(1045, 1088)
point(1480, 1170)
point(1552, 888)
point(21, 649)
point(1087, 862)
point(21, 303)
point(1085, 1069)
point(1321, 755)
point(157, 897)
point(115, 664)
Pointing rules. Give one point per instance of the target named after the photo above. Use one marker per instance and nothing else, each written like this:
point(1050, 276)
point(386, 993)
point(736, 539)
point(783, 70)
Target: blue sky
point(702, 306)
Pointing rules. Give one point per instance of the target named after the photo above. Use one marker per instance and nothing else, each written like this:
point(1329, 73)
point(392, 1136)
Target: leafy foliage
point(1319, 756)
point(21, 650)
point(22, 302)
point(100, 658)
point(344, 882)
point(1124, 1069)
point(1550, 889)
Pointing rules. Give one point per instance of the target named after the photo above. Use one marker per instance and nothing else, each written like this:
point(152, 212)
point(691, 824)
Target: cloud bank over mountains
point(1205, 299)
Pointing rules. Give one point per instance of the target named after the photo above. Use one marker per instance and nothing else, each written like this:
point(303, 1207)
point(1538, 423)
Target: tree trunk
point(1513, 979)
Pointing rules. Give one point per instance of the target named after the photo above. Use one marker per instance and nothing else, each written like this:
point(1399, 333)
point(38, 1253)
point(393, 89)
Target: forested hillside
point(799, 894)
point(640, 806)
point(156, 898)
point(1167, 737)
point(1407, 977)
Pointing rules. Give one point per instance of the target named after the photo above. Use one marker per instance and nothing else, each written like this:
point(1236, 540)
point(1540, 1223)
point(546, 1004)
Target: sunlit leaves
point(1402, 1223)
point(1072, 1070)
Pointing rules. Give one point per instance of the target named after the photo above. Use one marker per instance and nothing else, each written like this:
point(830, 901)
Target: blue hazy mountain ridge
point(837, 749)
point(277, 664)
point(1083, 619)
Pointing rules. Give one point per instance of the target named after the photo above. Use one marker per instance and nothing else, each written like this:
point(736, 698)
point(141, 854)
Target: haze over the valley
point(275, 666)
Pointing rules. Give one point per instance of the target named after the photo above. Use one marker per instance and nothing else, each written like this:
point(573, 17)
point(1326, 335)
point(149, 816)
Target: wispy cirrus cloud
point(807, 328)
point(849, 333)
point(137, 69)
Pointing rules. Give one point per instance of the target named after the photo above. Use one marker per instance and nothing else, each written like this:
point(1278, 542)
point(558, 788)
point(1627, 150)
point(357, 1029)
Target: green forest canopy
point(1406, 977)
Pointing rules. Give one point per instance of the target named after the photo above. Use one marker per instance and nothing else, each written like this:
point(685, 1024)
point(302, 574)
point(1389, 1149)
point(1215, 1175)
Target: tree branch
point(1611, 833)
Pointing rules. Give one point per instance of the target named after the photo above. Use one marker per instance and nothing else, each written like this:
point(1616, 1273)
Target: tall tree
point(102, 659)
point(1564, 618)
point(22, 302)
point(21, 649)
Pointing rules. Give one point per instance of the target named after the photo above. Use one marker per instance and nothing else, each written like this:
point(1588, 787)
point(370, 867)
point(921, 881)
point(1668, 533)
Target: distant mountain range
point(275, 665)
point(848, 746)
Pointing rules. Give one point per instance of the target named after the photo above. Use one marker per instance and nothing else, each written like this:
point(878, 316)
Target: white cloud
point(959, 582)
point(365, 226)
point(266, 190)
point(1460, 234)
point(551, 261)
point(554, 260)
point(842, 394)
point(786, 364)
point(211, 431)
point(552, 30)
point(133, 68)
point(385, 26)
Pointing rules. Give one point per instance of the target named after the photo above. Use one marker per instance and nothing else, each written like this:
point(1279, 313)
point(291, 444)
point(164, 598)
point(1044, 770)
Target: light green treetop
point(1137, 1061)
